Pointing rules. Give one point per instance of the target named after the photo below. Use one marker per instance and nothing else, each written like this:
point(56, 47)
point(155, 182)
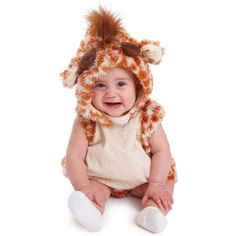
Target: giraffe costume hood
point(106, 45)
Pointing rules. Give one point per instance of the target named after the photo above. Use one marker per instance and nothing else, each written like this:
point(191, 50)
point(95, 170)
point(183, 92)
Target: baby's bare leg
point(140, 190)
point(102, 194)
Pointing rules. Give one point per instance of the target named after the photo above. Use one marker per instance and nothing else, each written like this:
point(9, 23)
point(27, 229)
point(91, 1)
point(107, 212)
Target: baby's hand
point(89, 192)
point(158, 193)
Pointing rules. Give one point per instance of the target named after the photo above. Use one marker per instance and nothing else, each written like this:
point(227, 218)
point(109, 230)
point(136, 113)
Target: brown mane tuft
point(104, 24)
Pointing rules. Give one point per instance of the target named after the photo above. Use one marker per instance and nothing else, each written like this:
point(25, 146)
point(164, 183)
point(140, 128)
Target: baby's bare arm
point(161, 158)
point(158, 190)
point(75, 155)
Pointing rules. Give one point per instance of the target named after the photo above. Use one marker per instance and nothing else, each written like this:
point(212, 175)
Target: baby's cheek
point(133, 93)
point(131, 98)
point(97, 99)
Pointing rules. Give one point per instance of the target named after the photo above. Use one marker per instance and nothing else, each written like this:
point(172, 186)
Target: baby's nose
point(110, 92)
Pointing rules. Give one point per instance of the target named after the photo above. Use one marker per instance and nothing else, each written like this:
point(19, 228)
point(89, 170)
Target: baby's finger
point(144, 199)
point(98, 200)
point(157, 200)
point(167, 205)
point(170, 198)
point(170, 205)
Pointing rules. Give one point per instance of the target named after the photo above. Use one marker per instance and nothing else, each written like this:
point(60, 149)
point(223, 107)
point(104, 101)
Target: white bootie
point(152, 219)
point(84, 211)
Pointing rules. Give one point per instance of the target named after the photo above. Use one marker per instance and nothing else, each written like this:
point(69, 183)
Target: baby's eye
point(99, 85)
point(121, 84)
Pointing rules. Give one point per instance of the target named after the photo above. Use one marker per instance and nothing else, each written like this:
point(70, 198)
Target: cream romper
point(116, 157)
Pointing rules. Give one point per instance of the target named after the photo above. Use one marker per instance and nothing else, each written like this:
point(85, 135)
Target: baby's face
point(115, 94)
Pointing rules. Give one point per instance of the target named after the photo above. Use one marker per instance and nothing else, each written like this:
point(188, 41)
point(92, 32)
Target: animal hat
point(106, 45)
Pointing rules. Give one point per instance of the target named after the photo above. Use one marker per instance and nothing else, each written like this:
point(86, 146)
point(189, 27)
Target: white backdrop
point(195, 83)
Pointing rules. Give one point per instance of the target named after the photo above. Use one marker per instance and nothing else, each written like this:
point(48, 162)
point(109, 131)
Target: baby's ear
point(151, 51)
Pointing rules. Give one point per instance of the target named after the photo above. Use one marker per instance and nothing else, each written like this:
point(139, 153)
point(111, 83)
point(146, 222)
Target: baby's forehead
point(104, 79)
point(117, 73)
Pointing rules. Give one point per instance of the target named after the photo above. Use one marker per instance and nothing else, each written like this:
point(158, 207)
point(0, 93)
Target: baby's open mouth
point(113, 104)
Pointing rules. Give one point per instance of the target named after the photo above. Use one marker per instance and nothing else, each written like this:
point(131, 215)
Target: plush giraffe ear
point(70, 76)
point(151, 51)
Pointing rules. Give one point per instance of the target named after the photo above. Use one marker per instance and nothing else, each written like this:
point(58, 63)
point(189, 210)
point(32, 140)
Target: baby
point(118, 146)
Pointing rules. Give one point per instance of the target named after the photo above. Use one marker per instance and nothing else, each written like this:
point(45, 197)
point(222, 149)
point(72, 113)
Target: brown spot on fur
point(132, 67)
point(124, 62)
point(145, 118)
point(137, 61)
point(120, 193)
point(130, 49)
point(172, 172)
point(87, 60)
point(143, 75)
point(101, 58)
point(89, 127)
point(84, 95)
point(144, 42)
point(154, 117)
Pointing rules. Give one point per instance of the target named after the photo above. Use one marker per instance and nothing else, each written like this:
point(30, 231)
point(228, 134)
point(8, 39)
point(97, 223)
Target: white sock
point(152, 219)
point(84, 211)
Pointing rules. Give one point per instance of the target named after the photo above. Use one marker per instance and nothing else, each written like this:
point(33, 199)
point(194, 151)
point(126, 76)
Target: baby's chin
point(116, 113)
